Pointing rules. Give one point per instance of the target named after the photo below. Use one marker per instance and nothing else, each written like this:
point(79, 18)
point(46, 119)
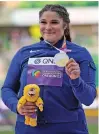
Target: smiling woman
point(63, 87)
point(51, 27)
point(54, 24)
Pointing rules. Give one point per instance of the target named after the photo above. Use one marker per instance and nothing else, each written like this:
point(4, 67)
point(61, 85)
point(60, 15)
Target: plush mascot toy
point(31, 94)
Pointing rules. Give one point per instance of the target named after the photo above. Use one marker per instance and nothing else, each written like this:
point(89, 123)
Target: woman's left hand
point(72, 69)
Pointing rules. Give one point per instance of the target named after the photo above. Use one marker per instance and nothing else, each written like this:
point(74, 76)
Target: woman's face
point(51, 26)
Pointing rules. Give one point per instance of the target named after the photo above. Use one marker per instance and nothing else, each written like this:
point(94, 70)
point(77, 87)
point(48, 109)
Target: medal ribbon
point(63, 48)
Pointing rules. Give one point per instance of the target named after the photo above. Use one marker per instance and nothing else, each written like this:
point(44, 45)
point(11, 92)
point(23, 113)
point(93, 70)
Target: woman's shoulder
point(29, 47)
point(80, 51)
point(75, 46)
point(26, 50)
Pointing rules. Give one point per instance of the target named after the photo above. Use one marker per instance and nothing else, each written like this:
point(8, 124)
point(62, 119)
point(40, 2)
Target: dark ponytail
point(67, 33)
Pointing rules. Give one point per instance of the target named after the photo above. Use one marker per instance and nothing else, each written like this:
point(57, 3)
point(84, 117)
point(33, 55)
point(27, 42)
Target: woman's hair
point(62, 12)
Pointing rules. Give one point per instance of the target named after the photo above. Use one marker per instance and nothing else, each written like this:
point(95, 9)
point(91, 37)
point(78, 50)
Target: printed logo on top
point(42, 61)
point(44, 73)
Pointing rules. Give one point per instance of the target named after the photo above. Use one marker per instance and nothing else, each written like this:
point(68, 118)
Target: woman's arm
point(11, 85)
point(82, 81)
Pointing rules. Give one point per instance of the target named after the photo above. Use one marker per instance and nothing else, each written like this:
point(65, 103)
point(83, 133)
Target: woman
point(63, 112)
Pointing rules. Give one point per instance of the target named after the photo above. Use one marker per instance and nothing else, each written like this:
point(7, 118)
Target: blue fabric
point(61, 104)
point(63, 128)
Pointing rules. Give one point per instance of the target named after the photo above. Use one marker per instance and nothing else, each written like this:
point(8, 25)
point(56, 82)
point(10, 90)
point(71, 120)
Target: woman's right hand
point(28, 109)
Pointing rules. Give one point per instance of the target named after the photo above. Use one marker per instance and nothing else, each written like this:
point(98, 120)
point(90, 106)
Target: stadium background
point(19, 27)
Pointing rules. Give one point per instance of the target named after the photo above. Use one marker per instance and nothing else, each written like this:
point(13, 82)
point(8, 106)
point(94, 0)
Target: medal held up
point(62, 58)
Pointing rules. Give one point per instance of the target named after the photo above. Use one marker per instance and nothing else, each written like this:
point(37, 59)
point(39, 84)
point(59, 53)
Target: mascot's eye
point(32, 89)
